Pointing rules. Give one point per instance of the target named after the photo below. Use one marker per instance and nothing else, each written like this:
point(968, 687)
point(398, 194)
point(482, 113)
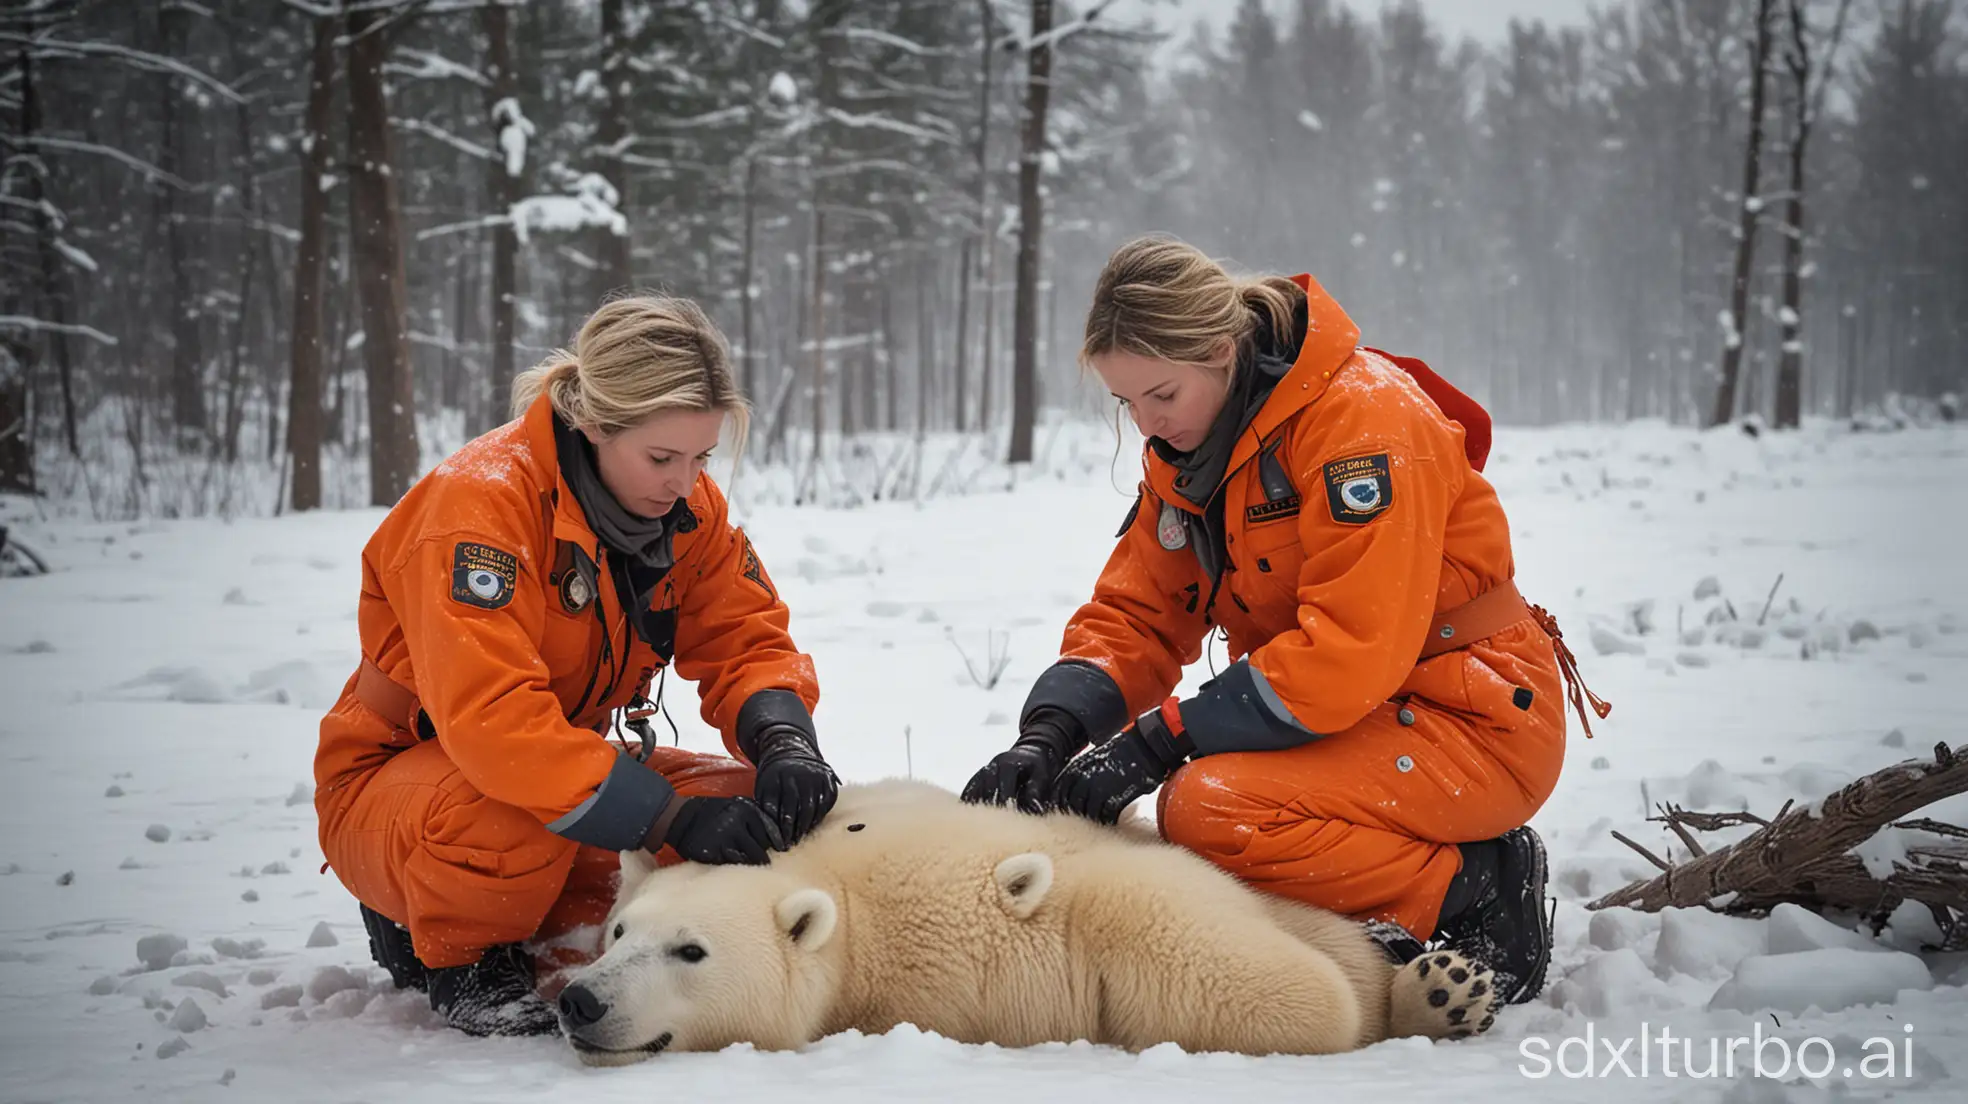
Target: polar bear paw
point(1442, 995)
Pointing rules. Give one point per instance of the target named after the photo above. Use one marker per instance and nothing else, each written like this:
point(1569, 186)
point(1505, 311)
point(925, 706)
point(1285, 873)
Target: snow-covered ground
point(162, 686)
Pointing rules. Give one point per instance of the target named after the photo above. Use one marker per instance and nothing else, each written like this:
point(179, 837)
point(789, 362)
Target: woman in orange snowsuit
point(516, 599)
point(1393, 715)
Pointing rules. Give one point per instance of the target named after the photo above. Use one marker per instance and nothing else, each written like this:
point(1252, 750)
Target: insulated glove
point(1024, 772)
point(720, 830)
point(1105, 781)
point(795, 787)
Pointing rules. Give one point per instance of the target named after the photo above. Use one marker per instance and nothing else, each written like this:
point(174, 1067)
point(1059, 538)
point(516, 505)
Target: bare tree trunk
point(16, 443)
point(502, 110)
point(54, 280)
point(925, 341)
point(825, 16)
point(748, 278)
point(187, 390)
point(617, 268)
point(1747, 212)
point(1805, 104)
point(987, 363)
point(965, 259)
point(304, 389)
point(248, 259)
point(892, 421)
point(1031, 226)
point(375, 215)
point(454, 392)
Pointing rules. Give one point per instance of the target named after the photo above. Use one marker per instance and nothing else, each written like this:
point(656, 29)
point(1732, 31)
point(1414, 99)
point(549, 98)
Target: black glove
point(795, 787)
point(1025, 771)
point(1105, 781)
point(720, 830)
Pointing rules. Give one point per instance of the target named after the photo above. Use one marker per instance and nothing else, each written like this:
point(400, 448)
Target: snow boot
point(493, 996)
point(389, 945)
point(1494, 912)
point(1396, 942)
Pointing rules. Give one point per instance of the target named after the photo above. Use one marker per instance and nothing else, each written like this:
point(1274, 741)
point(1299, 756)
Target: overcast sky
point(1482, 19)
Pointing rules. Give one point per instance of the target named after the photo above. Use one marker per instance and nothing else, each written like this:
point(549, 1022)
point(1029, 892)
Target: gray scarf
point(1200, 471)
point(646, 540)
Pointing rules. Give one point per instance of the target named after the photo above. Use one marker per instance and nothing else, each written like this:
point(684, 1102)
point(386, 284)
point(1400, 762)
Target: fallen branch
point(1804, 855)
point(1659, 862)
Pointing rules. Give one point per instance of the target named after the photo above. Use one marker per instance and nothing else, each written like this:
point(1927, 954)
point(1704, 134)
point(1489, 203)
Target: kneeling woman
point(518, 597)
point(1394, 715)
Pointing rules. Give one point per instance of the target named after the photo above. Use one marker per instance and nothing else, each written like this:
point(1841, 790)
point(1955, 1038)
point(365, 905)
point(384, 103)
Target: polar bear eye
point(689, 952)
point(620, 930)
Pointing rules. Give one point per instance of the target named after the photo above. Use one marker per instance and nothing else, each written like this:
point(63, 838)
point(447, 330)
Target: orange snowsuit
point(1343, 759)
point(466, 787)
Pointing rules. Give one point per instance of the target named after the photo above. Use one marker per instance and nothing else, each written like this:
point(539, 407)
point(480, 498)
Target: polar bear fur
point(984, 924)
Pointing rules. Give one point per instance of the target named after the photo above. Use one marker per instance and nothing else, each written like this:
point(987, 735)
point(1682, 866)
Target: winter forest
point(244, 243)
point(264, 264)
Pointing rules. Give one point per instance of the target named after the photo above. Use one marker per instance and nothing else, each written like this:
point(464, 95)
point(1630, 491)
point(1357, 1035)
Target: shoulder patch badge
point(1172, 529)
point(752, 568)
point(1359, 489)
point(482, 575)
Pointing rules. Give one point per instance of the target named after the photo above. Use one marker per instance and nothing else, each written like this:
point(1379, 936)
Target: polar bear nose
point(580, 1007)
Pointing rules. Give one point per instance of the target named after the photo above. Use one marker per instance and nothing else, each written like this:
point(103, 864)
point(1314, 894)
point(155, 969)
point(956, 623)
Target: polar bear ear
point(808, 916)
point(1023, 881)
point(636, 866)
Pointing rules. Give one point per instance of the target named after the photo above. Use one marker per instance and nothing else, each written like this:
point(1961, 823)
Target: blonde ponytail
point(557, 373)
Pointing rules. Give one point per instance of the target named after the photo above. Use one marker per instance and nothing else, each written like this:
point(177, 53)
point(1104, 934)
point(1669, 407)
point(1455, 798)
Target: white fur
point(984, 924)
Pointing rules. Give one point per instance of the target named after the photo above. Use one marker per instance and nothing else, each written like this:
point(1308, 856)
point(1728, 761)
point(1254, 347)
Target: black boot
point(389, 945)
point(493, 996)
point(1494, 912)
point(1396, 942)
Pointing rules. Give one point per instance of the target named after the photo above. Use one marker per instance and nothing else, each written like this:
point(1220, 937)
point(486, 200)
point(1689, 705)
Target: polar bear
point(985, 924)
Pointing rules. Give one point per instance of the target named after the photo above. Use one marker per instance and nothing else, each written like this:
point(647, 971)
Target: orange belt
point(1492, 612)
point(398, 704)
